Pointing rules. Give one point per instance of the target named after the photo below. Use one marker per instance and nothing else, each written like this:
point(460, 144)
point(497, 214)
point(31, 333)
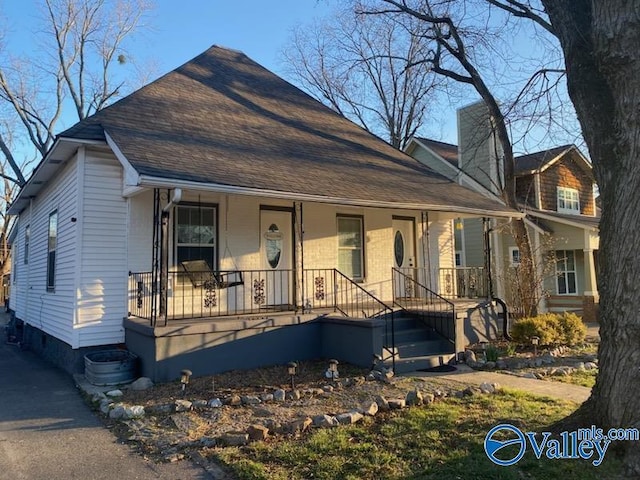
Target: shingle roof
point(447, 151)
point(222, 118)
point(533, 161)
point(523, 164)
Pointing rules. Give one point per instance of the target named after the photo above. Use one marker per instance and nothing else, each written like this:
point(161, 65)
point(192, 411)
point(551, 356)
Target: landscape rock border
point(172, 446)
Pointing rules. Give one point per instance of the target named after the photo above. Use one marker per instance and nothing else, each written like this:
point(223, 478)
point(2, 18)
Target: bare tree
point(452, 54)
point(367, 69)
point(81, 42)
point(600, 45)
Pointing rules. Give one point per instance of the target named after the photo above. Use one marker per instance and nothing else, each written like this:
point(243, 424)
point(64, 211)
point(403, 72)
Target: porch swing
point(200, 272)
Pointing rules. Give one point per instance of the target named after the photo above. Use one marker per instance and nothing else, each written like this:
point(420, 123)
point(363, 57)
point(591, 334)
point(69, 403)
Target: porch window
point(566, 272)
point(568, 200)
point(52, 245)
point(196, 234)
point(351, 247)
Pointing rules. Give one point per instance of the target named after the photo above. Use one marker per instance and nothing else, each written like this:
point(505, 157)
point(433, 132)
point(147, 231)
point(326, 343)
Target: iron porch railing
point(434, 310)
point(204, 294)
point(463, 282)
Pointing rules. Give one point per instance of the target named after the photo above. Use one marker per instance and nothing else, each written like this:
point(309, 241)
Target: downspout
point(164, 253)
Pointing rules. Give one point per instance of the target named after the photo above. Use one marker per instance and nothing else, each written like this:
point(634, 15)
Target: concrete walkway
point(47, 432)
point(565, 391)
point(467, 375)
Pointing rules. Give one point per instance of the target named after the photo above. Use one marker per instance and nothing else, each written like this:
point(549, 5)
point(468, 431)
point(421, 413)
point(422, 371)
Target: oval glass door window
point(398, 248)
point(273, 247)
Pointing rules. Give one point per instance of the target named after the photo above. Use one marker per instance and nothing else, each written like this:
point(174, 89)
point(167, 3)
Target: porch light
point(185, 375)
point(332, 371)
point(292, 370)
point(535, 341)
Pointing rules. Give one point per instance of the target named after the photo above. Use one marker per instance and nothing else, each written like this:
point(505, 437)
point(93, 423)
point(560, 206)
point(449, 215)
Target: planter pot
point(110, 367)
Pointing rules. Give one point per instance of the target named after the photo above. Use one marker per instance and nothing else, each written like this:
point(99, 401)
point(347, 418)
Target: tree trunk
point(601, 46)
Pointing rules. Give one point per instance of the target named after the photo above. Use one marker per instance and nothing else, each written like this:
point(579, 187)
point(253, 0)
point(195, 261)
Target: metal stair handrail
point(354, 304)
point(431, 299)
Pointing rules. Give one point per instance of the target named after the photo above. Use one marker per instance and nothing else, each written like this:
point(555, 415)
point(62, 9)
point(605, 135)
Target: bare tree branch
point(522, 10)
point(365, 69)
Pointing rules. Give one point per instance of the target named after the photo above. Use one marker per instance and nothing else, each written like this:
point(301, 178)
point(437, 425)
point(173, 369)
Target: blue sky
point(181, 29)
point(178, 30)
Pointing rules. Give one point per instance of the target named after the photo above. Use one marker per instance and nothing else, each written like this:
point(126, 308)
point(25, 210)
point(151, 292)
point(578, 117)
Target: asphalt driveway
point(47, 432)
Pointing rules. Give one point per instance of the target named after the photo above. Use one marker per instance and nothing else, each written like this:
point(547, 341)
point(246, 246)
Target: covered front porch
point(255, 281)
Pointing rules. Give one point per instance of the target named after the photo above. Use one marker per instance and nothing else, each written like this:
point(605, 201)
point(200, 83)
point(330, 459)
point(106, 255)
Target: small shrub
point(573, 330)
point(492, 353)
point(551, 328)
point(543, 326)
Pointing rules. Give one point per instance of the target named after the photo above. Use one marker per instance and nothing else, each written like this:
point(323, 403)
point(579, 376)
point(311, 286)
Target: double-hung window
point(52, 245)
point(196, 233)
point(568, 200)
point(351, 246)
point(27, 237)
point(566, 272)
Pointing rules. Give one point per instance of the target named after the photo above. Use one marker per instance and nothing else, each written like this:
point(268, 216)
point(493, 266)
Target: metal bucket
point(110, 367)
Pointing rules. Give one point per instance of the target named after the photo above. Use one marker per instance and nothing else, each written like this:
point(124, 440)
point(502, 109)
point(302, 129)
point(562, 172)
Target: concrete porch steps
point(417, 346)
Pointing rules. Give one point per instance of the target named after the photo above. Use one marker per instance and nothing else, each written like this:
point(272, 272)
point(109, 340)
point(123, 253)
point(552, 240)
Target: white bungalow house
point(555, 188)
point(220, 218)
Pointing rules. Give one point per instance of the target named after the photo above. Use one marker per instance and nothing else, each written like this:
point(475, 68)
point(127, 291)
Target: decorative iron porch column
point(164, 266)
point(298, 228)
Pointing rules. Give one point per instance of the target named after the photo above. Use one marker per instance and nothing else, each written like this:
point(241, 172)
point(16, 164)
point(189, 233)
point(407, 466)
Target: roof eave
point(565, 221)
point(62, 149)
point(161, 182)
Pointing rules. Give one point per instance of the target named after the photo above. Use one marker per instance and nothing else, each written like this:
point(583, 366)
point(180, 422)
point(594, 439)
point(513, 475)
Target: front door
point(276, 239)
point(404, 255)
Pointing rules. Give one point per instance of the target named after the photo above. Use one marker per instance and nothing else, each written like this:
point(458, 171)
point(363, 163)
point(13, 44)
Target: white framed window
point(351, 246)
point(196, 234)
point(514, 256)
point(27, 237)
point(458, 258)
point(568, 200)
point(566, 272)
point(52, 245)
point(14, 265)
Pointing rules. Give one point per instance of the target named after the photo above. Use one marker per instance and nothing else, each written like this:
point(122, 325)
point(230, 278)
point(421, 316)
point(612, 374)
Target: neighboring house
point(5, 267)
point(221, 218)
point(555, 188)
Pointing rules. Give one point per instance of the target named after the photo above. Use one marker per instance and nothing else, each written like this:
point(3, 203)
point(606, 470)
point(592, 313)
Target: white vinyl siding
point(50, 311)
point(103, 283)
